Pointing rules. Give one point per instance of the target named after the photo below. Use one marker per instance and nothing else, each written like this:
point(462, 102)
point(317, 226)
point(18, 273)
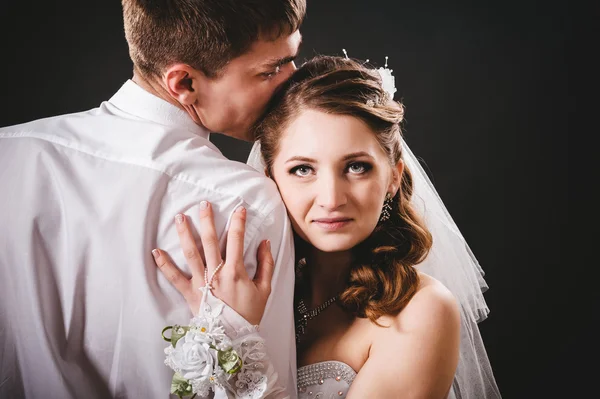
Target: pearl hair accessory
point(388, 81)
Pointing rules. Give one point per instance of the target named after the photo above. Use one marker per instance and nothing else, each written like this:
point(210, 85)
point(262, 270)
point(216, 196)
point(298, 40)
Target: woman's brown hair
point(383, 278)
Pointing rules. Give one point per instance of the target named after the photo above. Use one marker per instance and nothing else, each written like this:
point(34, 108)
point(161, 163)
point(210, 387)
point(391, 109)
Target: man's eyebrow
point(274, 63)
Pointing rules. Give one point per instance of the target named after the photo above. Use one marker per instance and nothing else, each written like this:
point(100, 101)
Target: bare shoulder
point(414, 354)
point(434, 295)
point(432, 308)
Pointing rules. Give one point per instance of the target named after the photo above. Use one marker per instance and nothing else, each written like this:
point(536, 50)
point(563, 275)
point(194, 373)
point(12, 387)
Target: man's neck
point(153, 86)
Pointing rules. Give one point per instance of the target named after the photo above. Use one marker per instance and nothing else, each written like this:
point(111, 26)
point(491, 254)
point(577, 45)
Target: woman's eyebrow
point(345, 158)
point(299, 158)
point(357, 154)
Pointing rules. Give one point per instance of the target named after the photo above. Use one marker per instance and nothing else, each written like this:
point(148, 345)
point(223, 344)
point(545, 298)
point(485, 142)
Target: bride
point(387, 292)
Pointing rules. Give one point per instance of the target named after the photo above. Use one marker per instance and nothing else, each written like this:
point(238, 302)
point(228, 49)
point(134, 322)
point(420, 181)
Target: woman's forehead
point(315, 134)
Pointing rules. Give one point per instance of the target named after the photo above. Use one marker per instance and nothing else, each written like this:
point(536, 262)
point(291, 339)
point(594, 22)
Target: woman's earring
point(386, 211)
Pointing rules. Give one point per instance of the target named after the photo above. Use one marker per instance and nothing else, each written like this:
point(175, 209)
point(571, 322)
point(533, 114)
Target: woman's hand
point(231, 283)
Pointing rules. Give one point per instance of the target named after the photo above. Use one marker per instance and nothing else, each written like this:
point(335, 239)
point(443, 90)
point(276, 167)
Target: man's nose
point(288, 69)
point(286, 72)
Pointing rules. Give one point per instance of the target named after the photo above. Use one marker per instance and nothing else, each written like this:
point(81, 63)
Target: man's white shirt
point(85, 198)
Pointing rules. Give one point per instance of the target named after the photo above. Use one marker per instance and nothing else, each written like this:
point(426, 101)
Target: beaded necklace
point(303, 314)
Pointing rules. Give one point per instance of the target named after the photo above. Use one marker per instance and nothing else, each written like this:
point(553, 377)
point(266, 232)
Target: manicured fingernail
point(203, 205)
point(179, 218)
point(155, 253)
point(240, 209)
point(268, 244)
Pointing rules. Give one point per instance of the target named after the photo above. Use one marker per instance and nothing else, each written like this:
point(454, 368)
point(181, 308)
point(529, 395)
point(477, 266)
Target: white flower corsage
point(201, 354)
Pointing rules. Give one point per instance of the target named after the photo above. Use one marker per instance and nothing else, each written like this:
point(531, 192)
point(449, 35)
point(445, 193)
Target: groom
point(87, 196)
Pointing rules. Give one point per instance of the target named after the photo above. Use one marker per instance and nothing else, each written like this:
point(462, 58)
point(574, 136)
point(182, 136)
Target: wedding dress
point(325, 380)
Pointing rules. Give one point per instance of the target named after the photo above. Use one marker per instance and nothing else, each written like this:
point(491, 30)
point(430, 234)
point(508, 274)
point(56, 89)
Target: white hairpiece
point(388, 81)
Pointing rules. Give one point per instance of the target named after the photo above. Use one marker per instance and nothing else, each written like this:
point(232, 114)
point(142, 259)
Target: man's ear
point(396, 178)
point(182, 83)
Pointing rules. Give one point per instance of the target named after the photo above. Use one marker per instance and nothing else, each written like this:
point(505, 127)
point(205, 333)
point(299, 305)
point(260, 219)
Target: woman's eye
point(301, 170)
point(359, 167)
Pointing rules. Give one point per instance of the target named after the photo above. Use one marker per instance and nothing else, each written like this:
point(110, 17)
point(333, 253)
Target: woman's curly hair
point(382, 278)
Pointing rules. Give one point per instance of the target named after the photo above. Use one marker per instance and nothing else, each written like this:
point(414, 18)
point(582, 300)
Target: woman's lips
point(332, 224)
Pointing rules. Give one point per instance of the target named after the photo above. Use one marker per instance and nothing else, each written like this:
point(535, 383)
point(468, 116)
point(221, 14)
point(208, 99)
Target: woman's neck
point(326, 275)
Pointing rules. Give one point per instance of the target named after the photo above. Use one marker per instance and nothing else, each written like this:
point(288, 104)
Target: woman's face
point(333, 177)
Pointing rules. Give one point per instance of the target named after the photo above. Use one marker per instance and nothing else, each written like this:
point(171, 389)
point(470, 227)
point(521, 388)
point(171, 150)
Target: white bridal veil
point(451, 262)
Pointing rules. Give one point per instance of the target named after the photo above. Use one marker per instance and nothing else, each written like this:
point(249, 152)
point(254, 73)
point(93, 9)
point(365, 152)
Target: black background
point(485, 90)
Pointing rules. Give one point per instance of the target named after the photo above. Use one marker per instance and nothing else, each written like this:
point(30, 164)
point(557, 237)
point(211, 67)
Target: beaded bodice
point(325, 380)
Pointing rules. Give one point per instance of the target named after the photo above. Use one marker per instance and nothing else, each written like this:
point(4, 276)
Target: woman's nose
point(331, 193)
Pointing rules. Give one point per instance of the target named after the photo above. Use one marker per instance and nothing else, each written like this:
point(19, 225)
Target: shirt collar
point(134, 100)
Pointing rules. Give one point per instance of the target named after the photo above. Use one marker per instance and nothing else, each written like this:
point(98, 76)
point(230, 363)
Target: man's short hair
point(205, 34)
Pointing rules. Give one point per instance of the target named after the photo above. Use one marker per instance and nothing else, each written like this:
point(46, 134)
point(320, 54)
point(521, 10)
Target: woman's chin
point(334, 244)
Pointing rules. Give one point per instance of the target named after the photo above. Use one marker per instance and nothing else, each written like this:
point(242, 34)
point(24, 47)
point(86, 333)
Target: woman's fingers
point(189, 247)
point(172, 273)
point(208, 235)
point(266, 266)
point(235, 242)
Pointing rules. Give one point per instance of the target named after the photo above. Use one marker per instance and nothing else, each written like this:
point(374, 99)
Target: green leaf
point(229, 361)
point(177, 332)
point(180, 386)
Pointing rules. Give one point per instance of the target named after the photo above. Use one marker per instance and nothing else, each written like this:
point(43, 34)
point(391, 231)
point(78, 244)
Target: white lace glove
point(257, 377)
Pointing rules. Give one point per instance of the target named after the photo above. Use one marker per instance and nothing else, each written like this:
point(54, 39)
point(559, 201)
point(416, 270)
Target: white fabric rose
point(192, 357)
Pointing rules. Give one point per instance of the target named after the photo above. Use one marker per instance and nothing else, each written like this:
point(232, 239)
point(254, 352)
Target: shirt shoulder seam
point(264, 211)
